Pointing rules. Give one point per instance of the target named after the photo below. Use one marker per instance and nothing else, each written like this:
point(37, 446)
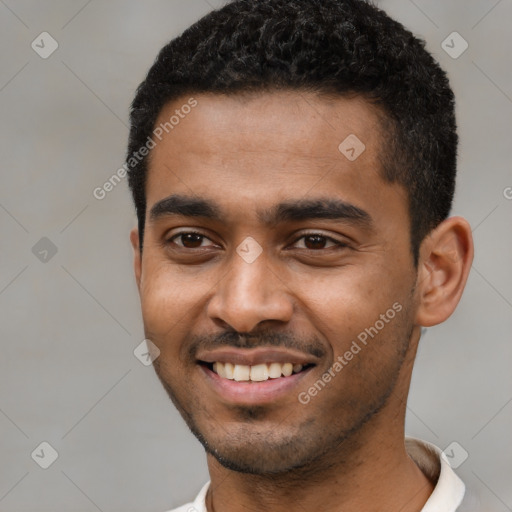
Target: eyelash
point(338, 244)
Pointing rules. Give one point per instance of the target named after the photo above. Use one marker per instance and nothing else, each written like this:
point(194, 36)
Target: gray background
point(70, 321)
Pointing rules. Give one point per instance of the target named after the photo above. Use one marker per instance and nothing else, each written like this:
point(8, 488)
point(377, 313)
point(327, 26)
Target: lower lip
point(249, 392)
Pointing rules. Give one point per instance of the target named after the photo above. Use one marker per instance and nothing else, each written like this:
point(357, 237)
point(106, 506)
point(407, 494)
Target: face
point(267, 246)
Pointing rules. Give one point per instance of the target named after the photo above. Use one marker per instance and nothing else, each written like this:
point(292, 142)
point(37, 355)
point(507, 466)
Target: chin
point(263, 452)
point(255, 460)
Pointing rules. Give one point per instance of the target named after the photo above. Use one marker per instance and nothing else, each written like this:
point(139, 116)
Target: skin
point(344, 450)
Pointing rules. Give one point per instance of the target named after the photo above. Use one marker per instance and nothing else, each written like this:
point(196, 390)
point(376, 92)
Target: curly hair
point(332, 47)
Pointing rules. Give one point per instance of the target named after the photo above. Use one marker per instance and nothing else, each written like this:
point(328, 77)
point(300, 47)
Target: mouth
point(255, 373)
point(262, 375)
point(255, 378)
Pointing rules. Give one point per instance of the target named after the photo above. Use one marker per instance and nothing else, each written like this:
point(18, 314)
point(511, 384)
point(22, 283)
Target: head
point(294, 194)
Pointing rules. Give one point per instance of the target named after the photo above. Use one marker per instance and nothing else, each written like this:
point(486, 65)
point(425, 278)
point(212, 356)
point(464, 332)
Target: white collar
point(449, 490)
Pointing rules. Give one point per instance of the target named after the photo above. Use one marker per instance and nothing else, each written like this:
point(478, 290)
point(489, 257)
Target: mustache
point(268, 339)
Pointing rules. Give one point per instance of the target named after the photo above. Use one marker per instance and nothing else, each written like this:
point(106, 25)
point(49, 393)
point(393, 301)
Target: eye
point(318, 241)
point(189, 240)
point(310, 241)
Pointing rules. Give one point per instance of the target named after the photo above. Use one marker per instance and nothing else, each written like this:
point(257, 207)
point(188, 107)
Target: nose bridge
point(249, 294)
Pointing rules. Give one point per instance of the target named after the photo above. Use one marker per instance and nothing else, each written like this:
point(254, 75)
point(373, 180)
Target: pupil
point(188, 240)
point(318, 241)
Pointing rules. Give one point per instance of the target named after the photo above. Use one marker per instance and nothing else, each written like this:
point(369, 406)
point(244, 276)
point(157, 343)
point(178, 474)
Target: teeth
point(241, 372)
point(256, 373)
point(274, 370)
point(287, 369)
point(259, 372)
point(228, 370)
point(219, 369)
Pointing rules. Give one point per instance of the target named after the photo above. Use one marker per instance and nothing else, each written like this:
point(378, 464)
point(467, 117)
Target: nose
point(250, 293)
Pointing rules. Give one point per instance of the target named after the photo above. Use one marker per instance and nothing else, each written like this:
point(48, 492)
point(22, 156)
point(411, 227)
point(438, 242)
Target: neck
point(378, 476)
point(369, 471)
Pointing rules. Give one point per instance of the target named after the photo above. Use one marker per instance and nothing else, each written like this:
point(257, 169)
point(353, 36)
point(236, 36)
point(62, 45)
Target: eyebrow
point(289, 211)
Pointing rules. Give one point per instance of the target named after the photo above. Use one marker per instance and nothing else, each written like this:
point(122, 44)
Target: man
point(292, 164)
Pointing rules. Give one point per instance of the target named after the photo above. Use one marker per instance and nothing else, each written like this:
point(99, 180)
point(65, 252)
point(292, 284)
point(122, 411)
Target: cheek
point(166, 301)
point(344, 305)
point(348, 296)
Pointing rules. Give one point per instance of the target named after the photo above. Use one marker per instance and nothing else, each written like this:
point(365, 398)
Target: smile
point(259, 375)
point(256, 373)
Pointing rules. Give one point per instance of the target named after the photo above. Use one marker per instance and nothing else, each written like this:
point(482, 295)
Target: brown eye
point(317, 241)
point(189, 240)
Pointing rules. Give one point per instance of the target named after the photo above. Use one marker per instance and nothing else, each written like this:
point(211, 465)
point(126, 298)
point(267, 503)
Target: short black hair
point(333, 47)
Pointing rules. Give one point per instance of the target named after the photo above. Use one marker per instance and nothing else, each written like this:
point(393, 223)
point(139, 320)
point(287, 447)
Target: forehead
point(260, 149)
point(312, 126)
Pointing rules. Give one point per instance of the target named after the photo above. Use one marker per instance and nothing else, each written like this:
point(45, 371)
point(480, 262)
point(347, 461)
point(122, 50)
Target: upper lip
point(253, 356)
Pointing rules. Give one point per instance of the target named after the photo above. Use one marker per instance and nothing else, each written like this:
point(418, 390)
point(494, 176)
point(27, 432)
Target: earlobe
point(137, 261)
point(446, 256)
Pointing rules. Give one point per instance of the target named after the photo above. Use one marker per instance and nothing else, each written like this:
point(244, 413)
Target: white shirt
point(447, 496)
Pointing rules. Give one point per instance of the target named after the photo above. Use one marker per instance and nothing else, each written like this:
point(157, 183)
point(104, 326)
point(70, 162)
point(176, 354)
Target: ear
point(445, 260)
point(137, 260)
